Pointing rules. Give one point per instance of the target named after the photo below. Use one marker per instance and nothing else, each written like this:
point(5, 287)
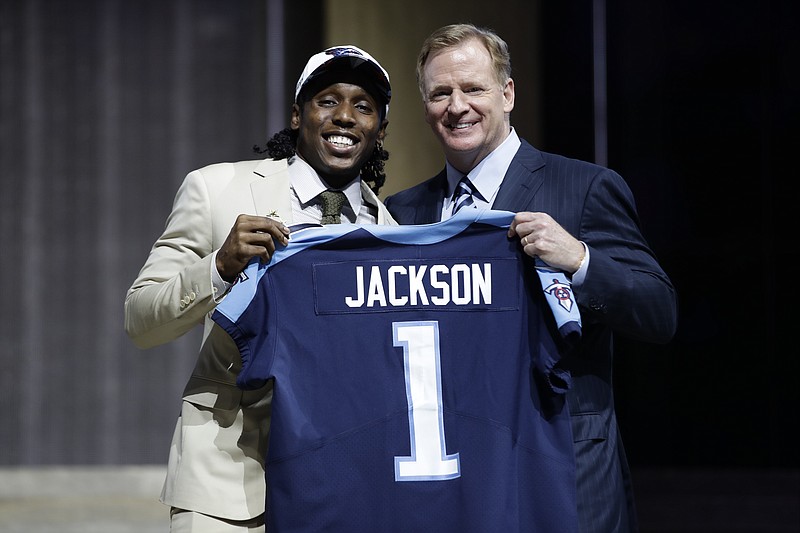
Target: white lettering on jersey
point(460, 284)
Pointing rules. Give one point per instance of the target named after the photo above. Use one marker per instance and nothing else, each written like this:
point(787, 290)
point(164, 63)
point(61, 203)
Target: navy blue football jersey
point(416, 379)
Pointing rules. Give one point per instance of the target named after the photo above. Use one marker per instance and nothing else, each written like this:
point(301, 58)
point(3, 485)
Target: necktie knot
point(463, 195)
point(332, 203)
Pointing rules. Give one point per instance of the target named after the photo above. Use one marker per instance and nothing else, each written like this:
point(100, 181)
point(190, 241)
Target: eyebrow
point(440, 87)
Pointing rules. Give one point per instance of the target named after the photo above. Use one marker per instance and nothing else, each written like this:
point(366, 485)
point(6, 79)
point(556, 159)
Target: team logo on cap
point(343, 51)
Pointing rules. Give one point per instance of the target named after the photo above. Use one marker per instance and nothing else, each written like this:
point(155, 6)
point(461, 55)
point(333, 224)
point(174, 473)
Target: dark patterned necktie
point(463, 195)
point(332, 202)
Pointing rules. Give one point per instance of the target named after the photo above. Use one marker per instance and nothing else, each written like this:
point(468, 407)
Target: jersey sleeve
point(245, 315)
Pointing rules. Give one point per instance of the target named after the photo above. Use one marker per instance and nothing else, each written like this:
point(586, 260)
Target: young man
point(574, 216)
point(223, 216)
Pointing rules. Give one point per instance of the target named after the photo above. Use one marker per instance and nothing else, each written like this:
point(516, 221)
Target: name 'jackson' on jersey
point(400, 285)
point(416, 379)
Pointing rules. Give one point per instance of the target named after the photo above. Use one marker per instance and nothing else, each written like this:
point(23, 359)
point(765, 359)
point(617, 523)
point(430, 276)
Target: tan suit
point(216, 461)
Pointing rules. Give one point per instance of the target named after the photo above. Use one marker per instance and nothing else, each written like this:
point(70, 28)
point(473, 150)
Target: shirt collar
point(487, 175)
point(307, 184)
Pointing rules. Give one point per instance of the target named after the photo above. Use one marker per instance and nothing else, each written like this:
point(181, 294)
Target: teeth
point(341, 140)
point(462, 125)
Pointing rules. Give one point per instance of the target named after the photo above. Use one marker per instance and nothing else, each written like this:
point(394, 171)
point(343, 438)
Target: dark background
point(702, 104)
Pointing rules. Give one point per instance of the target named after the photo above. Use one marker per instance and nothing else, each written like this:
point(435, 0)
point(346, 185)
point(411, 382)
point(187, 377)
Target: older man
point(574, 216)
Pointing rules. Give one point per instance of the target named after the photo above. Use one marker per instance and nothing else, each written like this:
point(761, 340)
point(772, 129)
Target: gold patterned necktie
point(332, 202)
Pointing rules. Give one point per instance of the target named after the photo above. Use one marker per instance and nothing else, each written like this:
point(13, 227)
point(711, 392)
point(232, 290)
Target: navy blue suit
point(625, 292)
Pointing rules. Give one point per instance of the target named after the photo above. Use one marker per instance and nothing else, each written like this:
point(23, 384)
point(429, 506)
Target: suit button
point(594, 305)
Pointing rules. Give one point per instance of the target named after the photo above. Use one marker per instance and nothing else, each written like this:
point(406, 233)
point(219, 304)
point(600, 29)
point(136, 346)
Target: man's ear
point(382, 131)
point(508, 96)
point(294, 123)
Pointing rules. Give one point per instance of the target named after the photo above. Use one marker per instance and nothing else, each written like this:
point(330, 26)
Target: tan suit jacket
point(216, 460)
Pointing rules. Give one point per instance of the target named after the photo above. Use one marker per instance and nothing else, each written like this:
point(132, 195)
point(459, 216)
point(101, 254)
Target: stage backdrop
point(105, 105)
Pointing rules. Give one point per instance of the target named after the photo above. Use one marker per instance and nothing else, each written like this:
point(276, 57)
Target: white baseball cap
point(347, 60)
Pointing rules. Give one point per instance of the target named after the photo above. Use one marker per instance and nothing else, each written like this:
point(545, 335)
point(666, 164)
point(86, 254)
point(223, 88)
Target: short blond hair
point(456, 34)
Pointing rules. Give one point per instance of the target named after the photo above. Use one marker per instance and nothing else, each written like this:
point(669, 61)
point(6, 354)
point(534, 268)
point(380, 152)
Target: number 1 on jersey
point(428, 460)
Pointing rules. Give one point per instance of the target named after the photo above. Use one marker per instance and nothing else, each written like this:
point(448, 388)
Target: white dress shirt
point(486, 178)
point(305, 185)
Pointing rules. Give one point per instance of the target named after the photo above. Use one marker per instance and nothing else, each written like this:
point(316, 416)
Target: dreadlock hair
point(283, 145)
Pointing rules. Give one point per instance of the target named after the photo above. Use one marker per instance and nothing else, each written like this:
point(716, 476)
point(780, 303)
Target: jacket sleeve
point(174, 291)
point(625, 287)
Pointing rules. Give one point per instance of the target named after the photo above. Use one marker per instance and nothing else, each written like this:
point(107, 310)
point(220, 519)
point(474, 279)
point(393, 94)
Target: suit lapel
point(429, 209)
point(421, 204)
point(523, 178)
point(368, 196)
point(271, 192)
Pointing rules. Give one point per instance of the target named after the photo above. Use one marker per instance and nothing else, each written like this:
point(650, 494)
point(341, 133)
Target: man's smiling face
point(338, 128)
point(466, 106)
